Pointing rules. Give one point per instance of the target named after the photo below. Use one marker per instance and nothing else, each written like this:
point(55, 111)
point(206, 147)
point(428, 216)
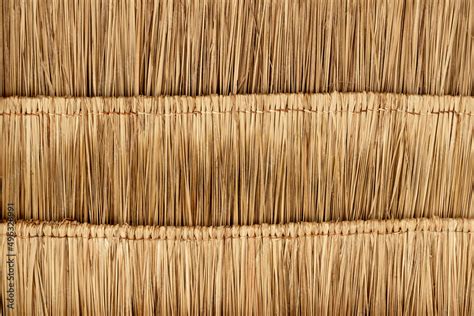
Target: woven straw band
point(36, 229)
point(396, 267)
point(237, 160)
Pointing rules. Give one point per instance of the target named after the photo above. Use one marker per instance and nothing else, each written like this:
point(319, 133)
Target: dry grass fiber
point(326, 111)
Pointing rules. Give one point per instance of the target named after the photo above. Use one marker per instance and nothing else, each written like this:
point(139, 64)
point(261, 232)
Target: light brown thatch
point(238, 160)
point(416, 267)
point(393, 141)
point(188, 47)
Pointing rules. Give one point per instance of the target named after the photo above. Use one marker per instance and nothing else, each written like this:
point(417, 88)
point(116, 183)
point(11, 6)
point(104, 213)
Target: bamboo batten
point(415, 267)
point(188, 47)
point(238, 160)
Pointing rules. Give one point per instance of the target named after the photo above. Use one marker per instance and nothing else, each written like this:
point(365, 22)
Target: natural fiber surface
point(188, 47)
point(238, 159)
point(108, 115)
point(417, 267)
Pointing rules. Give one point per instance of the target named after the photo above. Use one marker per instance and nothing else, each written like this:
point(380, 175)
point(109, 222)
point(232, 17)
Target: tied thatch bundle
point(376, 267)
point(189, 47)
point(238, 159)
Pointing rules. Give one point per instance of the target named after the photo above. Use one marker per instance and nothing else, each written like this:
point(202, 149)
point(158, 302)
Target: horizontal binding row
point(318, 103)
point(133, 113)
point(65, 229)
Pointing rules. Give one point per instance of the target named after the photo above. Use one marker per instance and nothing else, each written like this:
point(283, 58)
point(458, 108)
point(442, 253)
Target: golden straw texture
point(303, 157)
point(238, 159)
point(188, 47)
point(416, 267)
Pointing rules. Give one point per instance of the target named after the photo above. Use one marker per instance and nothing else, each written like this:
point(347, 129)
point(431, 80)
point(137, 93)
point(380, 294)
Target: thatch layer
point(377, 267)
point(238, 159)
point(188, 47)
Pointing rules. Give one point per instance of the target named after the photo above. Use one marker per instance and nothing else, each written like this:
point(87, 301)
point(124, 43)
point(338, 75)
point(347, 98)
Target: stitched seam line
point(116, 238)
point(137, 113)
